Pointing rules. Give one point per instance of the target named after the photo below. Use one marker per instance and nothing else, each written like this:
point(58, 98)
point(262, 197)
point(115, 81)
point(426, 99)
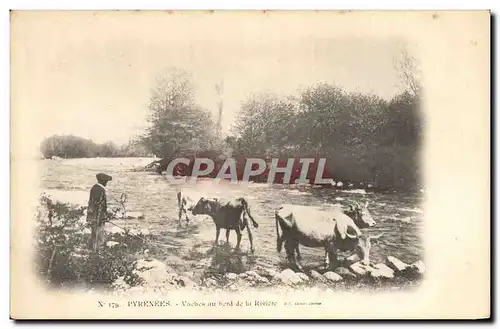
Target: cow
point(185, 202)
point(229, 215)
point(332, 230)
point(361, 216)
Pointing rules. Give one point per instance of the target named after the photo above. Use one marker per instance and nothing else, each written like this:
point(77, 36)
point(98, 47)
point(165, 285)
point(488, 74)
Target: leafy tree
point(176, 120)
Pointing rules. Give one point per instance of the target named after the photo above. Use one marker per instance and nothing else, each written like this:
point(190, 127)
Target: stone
point(181, 281)
point(134, 215)
point(231, 276)
point(345, 273)
point(332, 276)
point(252, 274)
point(382, 271)
point(303, 277)
point(111, 244)
point(210, 282)
point(395, 264)
point(360, 269)
point(352, 259)
point(295, 279)
point(152, 272)
point(318, 277)
point(262, 279)
point(418, 267)
point(267, 272)
point(287, 273)
point(287, 277)
point(243, 275)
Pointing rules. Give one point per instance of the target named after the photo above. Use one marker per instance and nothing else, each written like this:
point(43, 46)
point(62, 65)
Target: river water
point(398, 216)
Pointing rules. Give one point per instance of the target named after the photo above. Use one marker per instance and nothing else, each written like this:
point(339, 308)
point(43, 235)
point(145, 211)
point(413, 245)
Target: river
point(399, 216)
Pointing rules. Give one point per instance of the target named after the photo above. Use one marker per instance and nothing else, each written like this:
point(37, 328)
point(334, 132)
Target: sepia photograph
point(239, 164)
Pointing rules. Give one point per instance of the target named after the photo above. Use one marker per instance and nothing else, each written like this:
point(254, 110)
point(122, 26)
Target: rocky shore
point(152, 275)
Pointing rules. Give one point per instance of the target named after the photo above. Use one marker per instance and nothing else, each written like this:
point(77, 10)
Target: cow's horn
point(351, 236)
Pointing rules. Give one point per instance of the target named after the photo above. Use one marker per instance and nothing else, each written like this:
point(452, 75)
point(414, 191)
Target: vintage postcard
point(250, 165)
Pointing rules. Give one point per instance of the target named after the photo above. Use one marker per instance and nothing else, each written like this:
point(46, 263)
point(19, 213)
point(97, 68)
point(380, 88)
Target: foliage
point(62, 254)
point(176, 121)
point(363, 137)
point(70, 146)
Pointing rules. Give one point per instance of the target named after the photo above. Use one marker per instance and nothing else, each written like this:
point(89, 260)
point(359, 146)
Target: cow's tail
point(279, 242)
point(247, 210)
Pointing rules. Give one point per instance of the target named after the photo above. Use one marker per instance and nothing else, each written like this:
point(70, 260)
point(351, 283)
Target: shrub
point(62, 254)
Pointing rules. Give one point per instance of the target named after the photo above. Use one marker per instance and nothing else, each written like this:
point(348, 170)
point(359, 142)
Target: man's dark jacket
point(97, 207)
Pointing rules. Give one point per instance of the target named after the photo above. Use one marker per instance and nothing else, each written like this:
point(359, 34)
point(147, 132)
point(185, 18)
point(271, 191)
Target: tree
point(363, 137)
point(264, 125)
point(409, 72)
point(176, 120)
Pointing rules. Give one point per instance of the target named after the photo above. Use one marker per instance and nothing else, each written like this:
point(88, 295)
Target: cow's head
point(360, 215)
point(204, 207)
point(364, 246)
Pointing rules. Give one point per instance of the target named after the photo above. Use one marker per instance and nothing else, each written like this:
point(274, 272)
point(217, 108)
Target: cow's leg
point(250, 237)
point(180, 215)
point(290, 253)
point(297, 250)
point(299, 257)
point(187, 217)
point(217, 232)
point(238, 235)
point(227, 235)
point(332, 258)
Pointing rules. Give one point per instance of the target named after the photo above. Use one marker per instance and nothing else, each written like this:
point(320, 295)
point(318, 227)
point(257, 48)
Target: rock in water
point(134, 215)
point(351, 259)
point(382, 271)
point(318, 277)
point(345, 273)
point(332, 276)
point(360, 269)
point(111, 244)
point(418, 267)
point(395, 264)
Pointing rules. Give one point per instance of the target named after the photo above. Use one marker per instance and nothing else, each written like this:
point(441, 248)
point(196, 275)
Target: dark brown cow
point(229, 215)
point(332, 230)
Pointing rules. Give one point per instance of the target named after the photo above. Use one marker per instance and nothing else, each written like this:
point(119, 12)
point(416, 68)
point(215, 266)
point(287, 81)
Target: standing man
point(97, 211)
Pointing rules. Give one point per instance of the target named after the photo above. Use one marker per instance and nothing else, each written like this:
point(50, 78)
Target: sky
point(91, 75)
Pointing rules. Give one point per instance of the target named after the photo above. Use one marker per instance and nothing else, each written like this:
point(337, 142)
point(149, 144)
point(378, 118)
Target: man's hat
point(103, 177)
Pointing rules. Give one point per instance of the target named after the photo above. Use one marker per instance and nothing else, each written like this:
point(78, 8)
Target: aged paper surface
point(90, 74)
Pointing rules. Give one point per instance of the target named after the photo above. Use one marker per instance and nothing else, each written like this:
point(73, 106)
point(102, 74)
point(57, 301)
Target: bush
point(63, 256)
